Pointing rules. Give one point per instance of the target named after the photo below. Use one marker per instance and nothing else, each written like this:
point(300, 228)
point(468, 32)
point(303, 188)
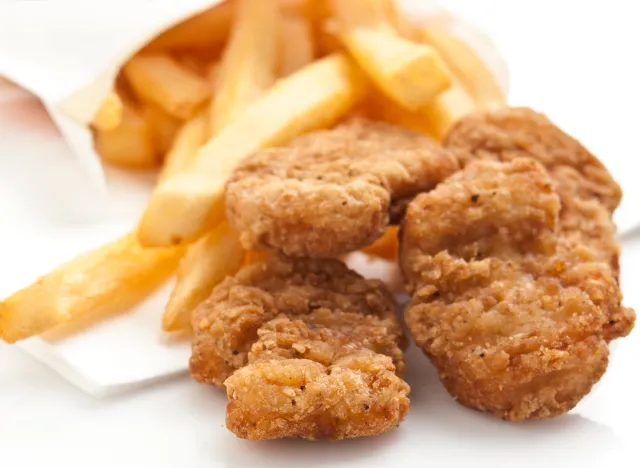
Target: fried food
point(587, 191)
point(317, 345)
point(109, 114)
point(187, 205)
point(514, 322)
point(330, 192)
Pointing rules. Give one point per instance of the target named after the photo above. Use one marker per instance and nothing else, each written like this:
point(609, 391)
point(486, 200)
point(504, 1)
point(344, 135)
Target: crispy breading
point(588, 192)
point(282, 324)
point(330, 192)
point(305, 380)
point(512, 319)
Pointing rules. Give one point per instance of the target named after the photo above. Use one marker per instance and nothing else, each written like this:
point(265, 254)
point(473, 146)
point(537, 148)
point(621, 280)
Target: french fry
point(207, 262)
point(160, 80)
point(130, 144)
point(163, 128)
point(386, 247)
point(109, 115)
point(247, 70)
point(185, 206)
point(411, 74)
point(467, 66)
point(447, 108)
point(189, 138)
point(205, 32)
point(106, 280)
point(195, 63)
point(249, 61)
point(379, 107)
point(296, 44)
point(327, 39)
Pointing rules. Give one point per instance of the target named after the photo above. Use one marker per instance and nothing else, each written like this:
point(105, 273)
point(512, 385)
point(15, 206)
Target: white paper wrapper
point(57, 199)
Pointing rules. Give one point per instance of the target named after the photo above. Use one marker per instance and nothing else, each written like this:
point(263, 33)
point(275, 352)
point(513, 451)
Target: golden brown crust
point(512, 320)
point(288, 320)
point(330, 192)
point(588, 193)
point(304, 380)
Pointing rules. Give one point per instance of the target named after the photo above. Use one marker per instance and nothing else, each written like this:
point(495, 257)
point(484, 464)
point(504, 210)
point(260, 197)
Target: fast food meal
point(292, 133)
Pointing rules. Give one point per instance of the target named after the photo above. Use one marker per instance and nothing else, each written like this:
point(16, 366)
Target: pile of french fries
point(241, 76)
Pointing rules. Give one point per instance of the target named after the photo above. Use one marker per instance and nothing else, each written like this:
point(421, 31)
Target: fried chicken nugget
point(316, 350)
point(513, 321)
point(331, 192)
point(588, 192)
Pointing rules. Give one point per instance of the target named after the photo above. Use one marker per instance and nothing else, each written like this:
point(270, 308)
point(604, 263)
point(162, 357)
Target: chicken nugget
point(513, 321)
point(317, 382)
point(331, 192)
point(588, 192)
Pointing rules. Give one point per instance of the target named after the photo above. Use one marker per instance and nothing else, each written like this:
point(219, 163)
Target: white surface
point(575, 61)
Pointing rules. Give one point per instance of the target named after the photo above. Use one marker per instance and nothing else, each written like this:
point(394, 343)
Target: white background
point(575, 60)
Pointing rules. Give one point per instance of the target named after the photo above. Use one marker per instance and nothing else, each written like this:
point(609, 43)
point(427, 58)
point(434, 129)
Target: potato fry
point(447, 108)
point(109, 115)
point(467, 66)
point(296, 44)
point(249, 61)
point(163, 128)
point(185, 206)
point(195, 63)
point(386, 247)
point(379, 107)
point(160, 80)
point(189, 138)
point(130, 144)
point(411, 74)
point(108, 279)
point(207, 262)
point(327, 39)
point(205, 32)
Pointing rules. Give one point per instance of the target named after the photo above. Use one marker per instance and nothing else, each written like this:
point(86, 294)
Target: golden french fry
point(130, 144)
point(205, 32)
point(109, 115)
point(207, 262)
point(249, 61)
point(411, 74)
point(106, 280)
point(447, 108)
point(160, 80)
point(296, 43)
point(197, 64)
point(379, 107)
point(185, 206)
point(163, 127)
point(467, 66)
point(327, 39)
point(189, 138)
point(386, 247)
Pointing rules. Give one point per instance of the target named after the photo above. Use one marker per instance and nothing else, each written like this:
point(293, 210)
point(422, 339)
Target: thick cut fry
point(195, 63)
point(207, 262)
point(190, 137)
point(296, 44)
point(204, 32)
point(379, 107)
point(447, 108)
point(411, 74)
point(109, 115)
point(106, 280)
point(184, 207)
point(163, 128)
point(467, 66)
point(160, 80)
point(130, 144)
point(249, 61)
point(386, 247)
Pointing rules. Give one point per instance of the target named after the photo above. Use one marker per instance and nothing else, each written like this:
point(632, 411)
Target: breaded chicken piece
point(513, 321)
point(331, 192)
point(314, 382)
point(312, 334)
point(588, 192)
